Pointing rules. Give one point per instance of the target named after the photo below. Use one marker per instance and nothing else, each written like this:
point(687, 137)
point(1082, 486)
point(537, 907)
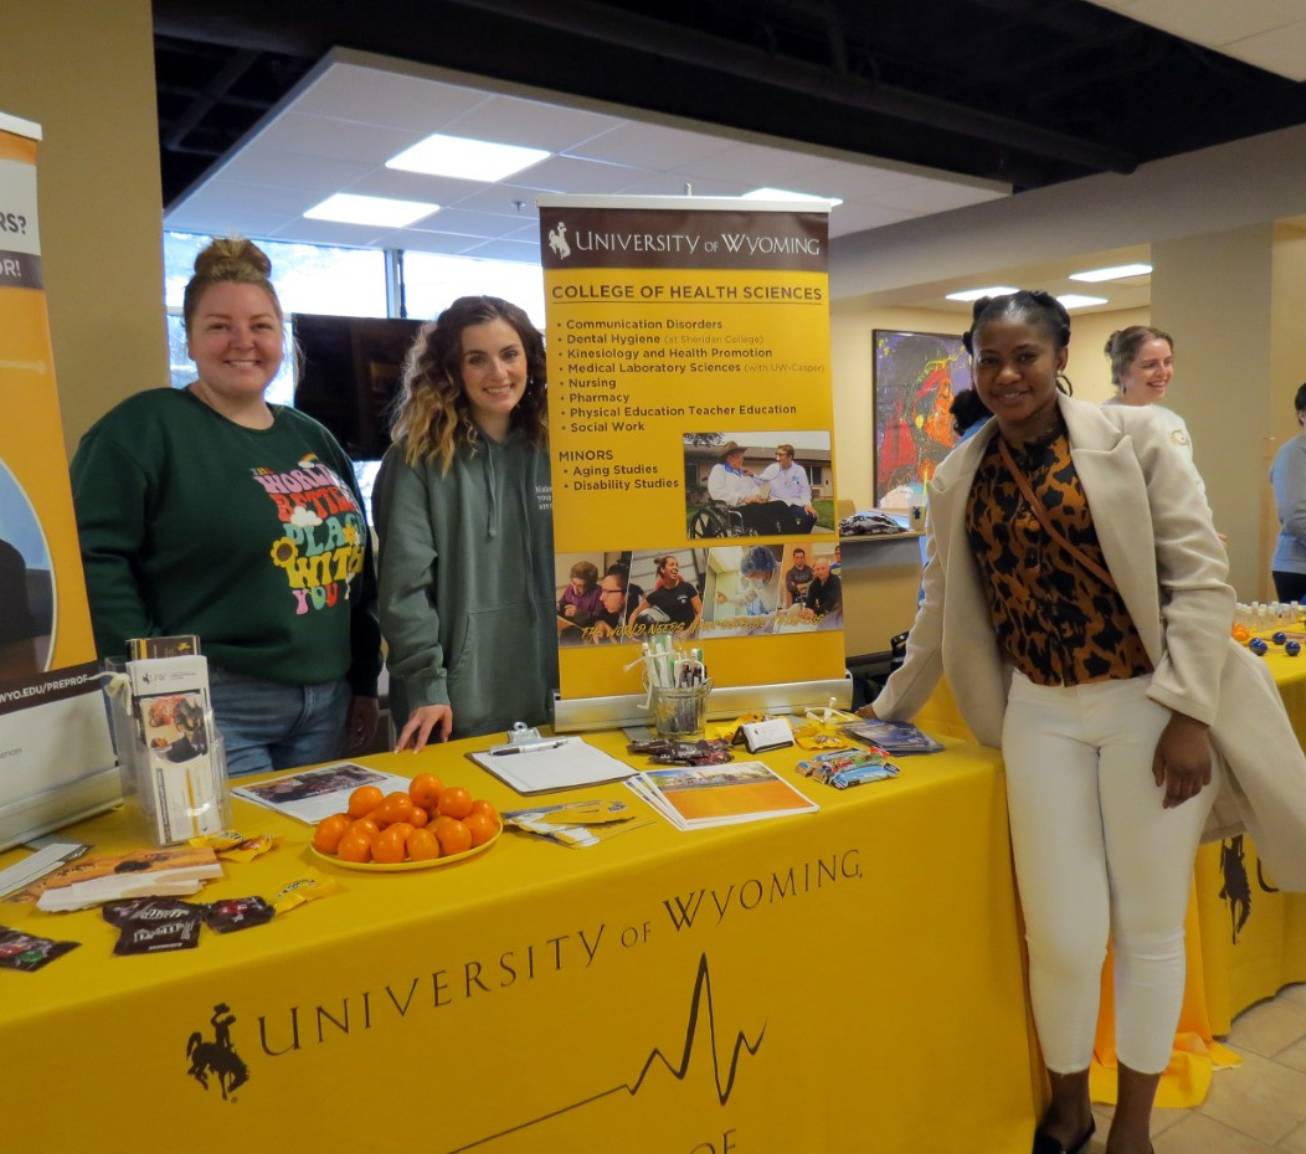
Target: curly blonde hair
point(433, 418)
point(231, 259)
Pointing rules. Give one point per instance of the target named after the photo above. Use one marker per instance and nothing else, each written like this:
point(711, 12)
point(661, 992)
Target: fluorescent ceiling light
point(1076, 301)
point(379, 210)
point(788, 194)
point(994, 290)
point(1115, 272)
point(465, 159)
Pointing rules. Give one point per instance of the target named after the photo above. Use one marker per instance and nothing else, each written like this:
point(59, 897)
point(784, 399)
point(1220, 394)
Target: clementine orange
point(355, 847)
point(425, 790)
point(391, 846)
point(423, 845)
point(329, 831)
point(364, 800)
point(367, 827)
point(419, 817)
point(481, 827)
point(456, 802)
point(454, 838)
point(480, 805)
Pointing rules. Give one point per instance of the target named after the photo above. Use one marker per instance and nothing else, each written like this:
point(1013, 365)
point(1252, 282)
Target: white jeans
point(1095, 854)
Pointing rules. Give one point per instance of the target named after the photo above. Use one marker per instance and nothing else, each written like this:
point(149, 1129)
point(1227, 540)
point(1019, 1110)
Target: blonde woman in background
point(207, 510)
point(464, 512)
point(1142, 367)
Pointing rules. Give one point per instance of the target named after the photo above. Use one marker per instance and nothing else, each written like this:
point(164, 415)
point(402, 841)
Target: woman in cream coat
point(1095, 843)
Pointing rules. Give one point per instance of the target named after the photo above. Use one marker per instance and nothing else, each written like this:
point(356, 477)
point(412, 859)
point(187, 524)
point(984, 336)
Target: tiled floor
point(1256, 1108)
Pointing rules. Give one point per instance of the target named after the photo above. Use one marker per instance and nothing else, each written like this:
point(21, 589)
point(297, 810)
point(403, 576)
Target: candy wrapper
point(150, 936)
point(845, 768)
point(232, 845)
point(147, 911)
point(666, 751)
point(310, 887)
point(20, 951)
point(237, 914)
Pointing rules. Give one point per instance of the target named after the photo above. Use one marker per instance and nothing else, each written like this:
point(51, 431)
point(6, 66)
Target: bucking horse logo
point(217, 1057)
point(558, 240)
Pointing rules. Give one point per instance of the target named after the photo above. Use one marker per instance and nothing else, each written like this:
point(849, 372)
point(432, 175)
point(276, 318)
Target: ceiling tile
point(344, 139)
point(328, 232)
point(1282, 51)
point(650, 146)
point(507, 250)
point(222, 206)
point(1219, 24)
point(502, 200)
point(387, 99)
point(512, 120)
point(673, 184)
point(850, 180)
point(320, 175)
point(392, 182)
point(482, 224)
point(562, 174)
point(427, 241)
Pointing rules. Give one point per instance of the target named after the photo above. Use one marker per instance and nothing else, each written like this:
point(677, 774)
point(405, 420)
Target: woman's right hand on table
point(421, 723)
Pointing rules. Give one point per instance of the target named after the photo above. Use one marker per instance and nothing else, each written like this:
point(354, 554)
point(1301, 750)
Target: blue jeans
point(266, 725)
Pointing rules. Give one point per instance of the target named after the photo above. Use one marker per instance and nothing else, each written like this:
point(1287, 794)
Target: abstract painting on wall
point(915, 376)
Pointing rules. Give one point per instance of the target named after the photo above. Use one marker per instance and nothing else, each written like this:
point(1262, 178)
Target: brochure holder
point(170, 753)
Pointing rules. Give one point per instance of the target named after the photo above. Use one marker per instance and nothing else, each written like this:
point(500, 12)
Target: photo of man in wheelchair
point(737, 500)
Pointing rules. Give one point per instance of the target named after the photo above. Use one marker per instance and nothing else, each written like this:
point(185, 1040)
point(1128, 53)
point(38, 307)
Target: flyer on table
point(691, 416)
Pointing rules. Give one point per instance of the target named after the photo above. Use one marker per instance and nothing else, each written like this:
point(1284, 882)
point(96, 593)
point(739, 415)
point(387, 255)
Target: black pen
point(525, 748)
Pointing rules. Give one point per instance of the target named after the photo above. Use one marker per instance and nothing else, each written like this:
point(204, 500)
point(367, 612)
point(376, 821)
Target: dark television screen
point(350, 374)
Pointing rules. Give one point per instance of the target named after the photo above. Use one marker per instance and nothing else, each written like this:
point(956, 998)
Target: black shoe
point(1046, 1145)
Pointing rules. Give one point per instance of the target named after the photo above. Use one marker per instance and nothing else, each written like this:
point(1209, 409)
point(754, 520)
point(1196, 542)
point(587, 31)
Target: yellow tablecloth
point(1246, 940)
point(848, 980)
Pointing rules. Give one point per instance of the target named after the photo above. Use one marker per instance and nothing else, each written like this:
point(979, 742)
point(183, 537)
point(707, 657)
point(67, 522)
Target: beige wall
point(851, 323)
point(85, 73)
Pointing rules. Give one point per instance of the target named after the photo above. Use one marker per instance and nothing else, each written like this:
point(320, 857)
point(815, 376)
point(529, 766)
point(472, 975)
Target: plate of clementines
point(430, 825)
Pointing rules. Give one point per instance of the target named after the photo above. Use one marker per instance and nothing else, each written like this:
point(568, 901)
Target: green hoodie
point(466, 584)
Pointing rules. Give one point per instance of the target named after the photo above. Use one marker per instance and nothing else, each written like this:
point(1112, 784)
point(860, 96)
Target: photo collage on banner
point(691, 416)
point(54, 737)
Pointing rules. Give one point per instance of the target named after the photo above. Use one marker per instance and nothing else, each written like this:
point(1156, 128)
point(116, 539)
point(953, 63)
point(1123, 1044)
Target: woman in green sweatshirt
point(463, 507)
point(206, 510)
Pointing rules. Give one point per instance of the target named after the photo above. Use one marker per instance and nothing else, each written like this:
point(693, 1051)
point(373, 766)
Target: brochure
point(311, 795)
point(899, 737)
point(132, 866)
point(697, 797)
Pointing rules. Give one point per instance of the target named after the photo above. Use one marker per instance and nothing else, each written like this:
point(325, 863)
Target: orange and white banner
point(55, 756)
point(691, 410)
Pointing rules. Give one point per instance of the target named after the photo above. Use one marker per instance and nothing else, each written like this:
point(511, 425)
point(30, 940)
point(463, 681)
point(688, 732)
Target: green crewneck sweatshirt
point(466, 579)
point(254, 539)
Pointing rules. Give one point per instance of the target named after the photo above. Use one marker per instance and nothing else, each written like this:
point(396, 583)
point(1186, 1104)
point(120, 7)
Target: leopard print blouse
point(1058, 623)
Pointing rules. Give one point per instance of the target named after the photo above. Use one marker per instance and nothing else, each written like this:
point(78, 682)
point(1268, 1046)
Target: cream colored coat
point(1170, 568)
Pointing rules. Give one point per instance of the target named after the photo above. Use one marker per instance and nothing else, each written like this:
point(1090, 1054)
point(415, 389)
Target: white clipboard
point(550, 764)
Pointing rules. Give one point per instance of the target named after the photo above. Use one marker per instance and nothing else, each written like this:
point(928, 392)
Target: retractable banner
point(690, 420)
point(56, 760)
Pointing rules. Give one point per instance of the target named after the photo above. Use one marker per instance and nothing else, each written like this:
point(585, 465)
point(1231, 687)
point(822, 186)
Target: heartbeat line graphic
point(678, 1070)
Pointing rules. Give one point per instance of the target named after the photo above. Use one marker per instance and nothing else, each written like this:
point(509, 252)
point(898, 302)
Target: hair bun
point(232, 254)
point(1110, 347)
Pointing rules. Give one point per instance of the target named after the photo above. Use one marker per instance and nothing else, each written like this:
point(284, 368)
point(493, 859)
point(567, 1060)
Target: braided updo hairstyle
point(233, 260)
point(1033, 307)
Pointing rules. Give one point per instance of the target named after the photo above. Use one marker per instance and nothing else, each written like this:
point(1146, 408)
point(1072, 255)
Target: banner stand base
point(590, 713)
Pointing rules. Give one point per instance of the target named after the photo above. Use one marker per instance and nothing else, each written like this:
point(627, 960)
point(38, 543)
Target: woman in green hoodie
point(463, 506)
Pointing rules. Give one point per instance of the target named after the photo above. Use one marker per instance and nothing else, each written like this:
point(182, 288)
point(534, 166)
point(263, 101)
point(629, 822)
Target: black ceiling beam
point(641, 33)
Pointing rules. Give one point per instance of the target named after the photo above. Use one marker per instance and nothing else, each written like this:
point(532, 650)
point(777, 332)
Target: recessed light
point(350, 208)
point(1115, 272)
point(994, 290)
point(788, 194)
point(465, 159)
point(1077, 301)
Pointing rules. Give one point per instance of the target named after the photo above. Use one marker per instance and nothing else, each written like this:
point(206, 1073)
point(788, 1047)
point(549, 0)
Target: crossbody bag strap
point(1037, 508)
